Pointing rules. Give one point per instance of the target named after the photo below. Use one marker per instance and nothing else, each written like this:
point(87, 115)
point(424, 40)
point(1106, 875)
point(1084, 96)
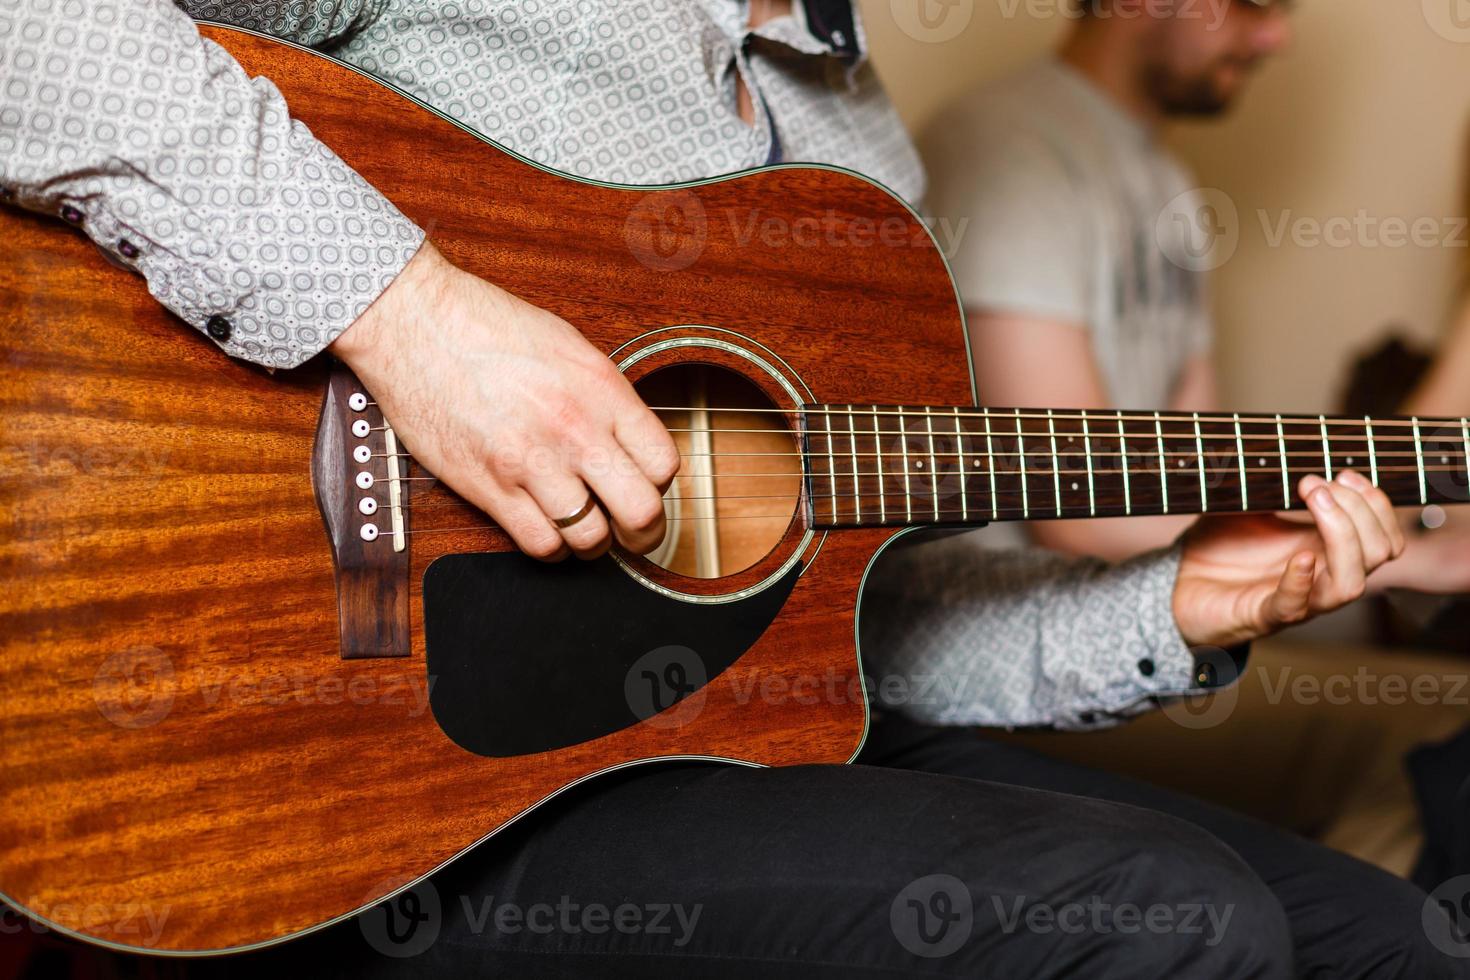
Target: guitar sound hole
point(739, 481)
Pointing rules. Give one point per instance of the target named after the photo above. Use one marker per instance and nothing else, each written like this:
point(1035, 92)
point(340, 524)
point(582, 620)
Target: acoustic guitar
point(261, 670)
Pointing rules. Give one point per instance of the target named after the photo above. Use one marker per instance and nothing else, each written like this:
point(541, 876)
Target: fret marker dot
point(1433, 517)
point(1074, 486)
point(1181, 464)
point(1444, 461)
point(977, 462)
point(1261, 461)
point(1350, 461)
point(919, 464)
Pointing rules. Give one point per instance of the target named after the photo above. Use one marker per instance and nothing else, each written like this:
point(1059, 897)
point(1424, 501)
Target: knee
point(1389, 929)
point(1173, 900)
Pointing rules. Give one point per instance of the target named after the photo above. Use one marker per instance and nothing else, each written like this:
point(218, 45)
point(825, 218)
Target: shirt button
point(128, 249)
point(6, 194)
point(1204, 675)
point(1146, 667)
point(218, 327)
point(71, 214)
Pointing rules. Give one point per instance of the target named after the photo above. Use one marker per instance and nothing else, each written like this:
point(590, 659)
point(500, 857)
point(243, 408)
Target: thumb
point(1290, 603)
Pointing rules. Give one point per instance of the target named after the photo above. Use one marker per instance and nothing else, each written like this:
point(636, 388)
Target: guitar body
point(198, 726)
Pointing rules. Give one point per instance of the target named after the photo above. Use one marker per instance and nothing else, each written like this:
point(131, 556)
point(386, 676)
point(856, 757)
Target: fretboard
point(875, 465)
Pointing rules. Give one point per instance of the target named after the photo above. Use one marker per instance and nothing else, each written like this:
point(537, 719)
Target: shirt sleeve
point(120, 119)
point(955, 634)
point(313, 23)
point(1019, 241)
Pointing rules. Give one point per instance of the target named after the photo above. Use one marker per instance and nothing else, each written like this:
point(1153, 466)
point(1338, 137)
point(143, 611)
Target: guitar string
point(924, 494)
point(841, 434)
point(898, 472)
point(1089, 415)
point(856, 519)
point(836, 450)
point(1109, 415)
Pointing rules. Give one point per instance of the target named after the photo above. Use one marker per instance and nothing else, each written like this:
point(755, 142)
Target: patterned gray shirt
point(120, 119)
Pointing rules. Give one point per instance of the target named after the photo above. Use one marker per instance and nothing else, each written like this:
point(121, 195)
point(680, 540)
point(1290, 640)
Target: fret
point(1285, 472)
point(1056, 467)
point(903, 447)
point(1245, 494)
point(1123, 457)
point(990, 459)
point(1087, 451)
point(1021, 455)
point(878, 460)
point(1326, 448)
point(1199, 449)
point(1465, 435)
point(1163, 461)
point(1419, 455)
point(1372, 451)
point(933, 463)
point(831, 463)
point(857, 490)
point(959, 449)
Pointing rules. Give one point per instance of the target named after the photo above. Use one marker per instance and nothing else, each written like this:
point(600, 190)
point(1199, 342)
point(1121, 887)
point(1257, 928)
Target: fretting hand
point(513, 409)
point(1245, 577)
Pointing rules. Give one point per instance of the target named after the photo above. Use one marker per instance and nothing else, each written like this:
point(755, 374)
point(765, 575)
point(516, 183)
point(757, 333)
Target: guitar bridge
point(357, 471)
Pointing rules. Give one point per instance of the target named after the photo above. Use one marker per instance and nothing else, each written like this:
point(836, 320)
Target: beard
point(1197, 94)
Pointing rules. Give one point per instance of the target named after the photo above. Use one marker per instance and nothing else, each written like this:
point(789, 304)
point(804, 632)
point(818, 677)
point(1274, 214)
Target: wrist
point(409, 292)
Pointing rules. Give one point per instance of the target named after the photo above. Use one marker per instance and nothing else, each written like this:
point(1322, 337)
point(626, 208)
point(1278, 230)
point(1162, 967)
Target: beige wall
point(1365, 114)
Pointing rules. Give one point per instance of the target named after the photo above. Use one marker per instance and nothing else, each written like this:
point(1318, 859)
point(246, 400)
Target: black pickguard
point(527, 657)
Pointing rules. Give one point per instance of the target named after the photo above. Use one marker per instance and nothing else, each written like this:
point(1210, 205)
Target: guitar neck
point(895, 466)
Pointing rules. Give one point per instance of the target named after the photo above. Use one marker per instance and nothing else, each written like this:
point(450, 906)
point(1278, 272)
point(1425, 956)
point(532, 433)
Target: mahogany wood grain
point(179, 729)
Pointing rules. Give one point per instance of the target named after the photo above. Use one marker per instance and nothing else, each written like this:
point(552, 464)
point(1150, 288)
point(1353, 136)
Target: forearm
point(154, 142)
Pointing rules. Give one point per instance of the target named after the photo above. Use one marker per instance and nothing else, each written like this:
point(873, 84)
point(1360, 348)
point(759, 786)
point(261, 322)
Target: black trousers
point(941, 855)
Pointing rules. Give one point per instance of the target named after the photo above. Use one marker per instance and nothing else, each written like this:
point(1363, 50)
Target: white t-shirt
point(1063, 192)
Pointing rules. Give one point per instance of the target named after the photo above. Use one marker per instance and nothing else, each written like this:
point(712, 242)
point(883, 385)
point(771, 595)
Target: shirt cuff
point(1174, 669)
point(1162, 666)
point(293, 272)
